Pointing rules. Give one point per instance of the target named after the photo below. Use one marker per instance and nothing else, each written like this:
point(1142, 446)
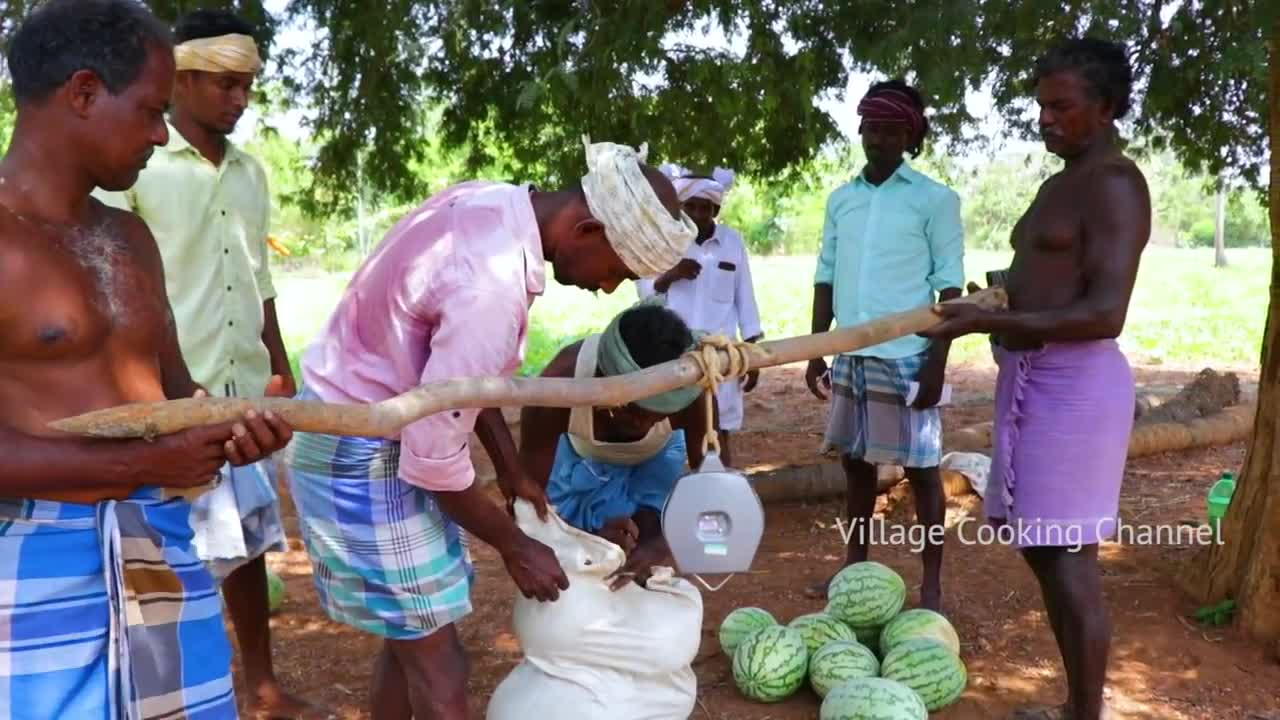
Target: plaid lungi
point(386, 559)
point(105, 612)
point(870, 419)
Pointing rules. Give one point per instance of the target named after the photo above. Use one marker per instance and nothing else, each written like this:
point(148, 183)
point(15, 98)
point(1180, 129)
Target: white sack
point(597, 654)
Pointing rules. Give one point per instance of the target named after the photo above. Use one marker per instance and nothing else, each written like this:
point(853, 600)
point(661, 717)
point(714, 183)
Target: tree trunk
point(1219, 228)
point(1246, 567)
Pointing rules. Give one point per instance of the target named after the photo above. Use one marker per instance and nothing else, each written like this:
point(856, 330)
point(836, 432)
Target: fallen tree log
point(1222, 428)
point(974, 438)
point(1208, 393)
point(389, 417)
point(826, 480)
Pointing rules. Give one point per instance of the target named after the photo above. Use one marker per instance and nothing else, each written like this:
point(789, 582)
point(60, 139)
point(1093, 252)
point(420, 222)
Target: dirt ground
point(1163, 665)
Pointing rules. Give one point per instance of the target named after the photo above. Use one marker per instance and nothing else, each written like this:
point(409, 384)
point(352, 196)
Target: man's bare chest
point(1053, 223)
point(69, 300)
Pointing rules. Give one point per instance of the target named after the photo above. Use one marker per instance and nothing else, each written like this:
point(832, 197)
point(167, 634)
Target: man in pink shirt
point(447, 295)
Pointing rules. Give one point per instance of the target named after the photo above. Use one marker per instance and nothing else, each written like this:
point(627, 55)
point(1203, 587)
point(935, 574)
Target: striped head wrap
point(890, 105)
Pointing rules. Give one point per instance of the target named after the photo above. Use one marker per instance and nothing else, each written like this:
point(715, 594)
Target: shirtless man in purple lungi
point(1064, 397)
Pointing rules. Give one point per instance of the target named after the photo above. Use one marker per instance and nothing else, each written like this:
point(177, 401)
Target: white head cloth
point(639, 228)
point(225, 53)
point(712, 188)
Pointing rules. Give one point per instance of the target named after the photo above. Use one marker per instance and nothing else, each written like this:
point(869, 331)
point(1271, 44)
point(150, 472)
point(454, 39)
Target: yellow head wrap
point(226, 53)
point(643, 233)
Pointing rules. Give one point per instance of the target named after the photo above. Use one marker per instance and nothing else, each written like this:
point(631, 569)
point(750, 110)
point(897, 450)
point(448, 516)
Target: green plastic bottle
point(1219, 499)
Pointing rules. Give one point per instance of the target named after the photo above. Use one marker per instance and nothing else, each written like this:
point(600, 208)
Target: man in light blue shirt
point(892, 241)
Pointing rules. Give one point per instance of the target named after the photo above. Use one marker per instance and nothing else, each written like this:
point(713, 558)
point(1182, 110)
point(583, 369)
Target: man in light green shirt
point(208, 205)
point(892, 242)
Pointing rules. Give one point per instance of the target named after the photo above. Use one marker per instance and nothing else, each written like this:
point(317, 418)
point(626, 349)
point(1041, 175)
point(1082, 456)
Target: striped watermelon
point(771, 663)
point(740, 623)
point(820, 628)
point(919, 623)
point(869, 636)
point(838, 661)
point(865, 594)
point(928, 667)
point(872, 699)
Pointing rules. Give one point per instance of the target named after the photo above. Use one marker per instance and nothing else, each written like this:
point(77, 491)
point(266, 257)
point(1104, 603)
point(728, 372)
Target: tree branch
point(389, 417)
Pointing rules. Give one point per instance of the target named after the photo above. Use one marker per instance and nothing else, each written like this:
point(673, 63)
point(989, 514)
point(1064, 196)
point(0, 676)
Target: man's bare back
point(82, 315)
point(1061, 239)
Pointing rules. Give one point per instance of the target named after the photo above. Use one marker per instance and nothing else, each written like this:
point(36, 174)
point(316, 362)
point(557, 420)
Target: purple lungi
point(1063, 418)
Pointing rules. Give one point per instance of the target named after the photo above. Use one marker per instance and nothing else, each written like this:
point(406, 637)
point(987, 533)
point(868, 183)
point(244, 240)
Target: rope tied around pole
point(707, 357)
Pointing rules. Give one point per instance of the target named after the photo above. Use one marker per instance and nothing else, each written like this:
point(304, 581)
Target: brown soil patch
point(1163, 665)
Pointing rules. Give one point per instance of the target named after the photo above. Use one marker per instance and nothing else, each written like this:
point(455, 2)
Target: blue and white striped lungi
point(106, 612)
point(870, 419)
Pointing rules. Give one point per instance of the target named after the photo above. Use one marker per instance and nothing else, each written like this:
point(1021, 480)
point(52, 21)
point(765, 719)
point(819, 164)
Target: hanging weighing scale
point(713, 522)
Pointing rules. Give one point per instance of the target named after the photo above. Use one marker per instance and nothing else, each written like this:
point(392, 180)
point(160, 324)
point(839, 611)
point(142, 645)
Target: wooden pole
point(389, 417)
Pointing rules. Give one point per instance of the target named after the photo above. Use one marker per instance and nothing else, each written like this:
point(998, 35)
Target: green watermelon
point(866, 594)
point(770, 664)
point(820, 628)
point(740, 623)
point(928, 667)
point(275, 591)
point(919, 623)
point(868, 636)
point(872, 699)
point(838, 661)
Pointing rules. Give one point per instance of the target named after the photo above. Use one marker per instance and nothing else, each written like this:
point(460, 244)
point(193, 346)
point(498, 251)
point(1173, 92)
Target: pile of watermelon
point(863, 655)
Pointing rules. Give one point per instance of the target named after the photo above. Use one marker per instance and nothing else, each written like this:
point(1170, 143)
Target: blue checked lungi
point(386, 559)
point(870, 419)
point(105, 612)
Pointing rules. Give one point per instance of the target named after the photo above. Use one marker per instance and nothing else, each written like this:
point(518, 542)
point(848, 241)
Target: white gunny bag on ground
point(596, 654)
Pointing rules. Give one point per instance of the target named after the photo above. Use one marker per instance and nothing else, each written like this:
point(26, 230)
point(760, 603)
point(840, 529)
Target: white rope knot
point(707, 355)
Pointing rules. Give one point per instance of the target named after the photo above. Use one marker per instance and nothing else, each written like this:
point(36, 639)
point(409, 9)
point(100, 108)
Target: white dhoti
point(729, 402)
point(239, 520)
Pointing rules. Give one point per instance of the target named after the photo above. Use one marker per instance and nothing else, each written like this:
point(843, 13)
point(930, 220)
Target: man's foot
point(271, 702)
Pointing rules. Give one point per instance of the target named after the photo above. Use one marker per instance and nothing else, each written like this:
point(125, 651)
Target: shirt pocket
point(722, 284)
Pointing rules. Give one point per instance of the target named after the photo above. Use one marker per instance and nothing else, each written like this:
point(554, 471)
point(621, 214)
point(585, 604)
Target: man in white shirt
point(710, 288)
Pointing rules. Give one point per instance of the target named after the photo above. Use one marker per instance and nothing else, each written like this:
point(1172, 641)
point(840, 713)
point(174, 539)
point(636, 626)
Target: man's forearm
point(940, 349)
point(274, 341)
point(175, 376)
point(32, 465)
point(662, 283)
point(823, 312)
point(649, 523)
point(479, 515)
point(1068, 324)
point(496, 438)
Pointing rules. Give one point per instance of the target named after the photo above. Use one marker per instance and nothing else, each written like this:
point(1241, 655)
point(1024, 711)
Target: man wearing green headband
point(608, 471)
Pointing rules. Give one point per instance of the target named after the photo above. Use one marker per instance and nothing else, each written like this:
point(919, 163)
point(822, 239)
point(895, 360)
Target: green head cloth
point(614, 358)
